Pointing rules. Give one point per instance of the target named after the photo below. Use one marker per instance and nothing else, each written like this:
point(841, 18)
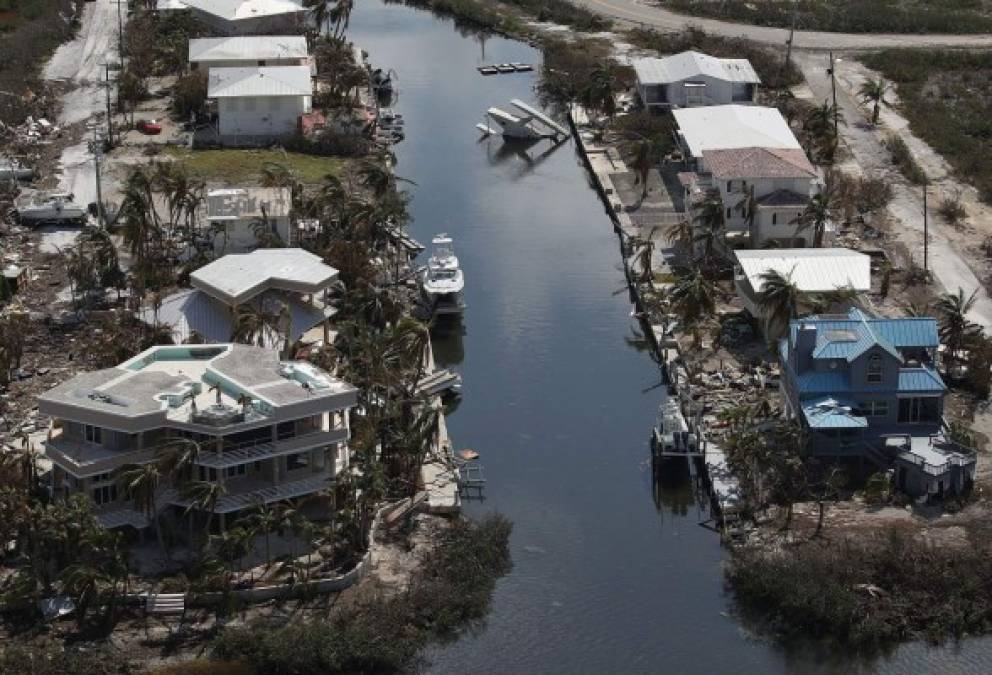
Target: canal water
point(611, 574)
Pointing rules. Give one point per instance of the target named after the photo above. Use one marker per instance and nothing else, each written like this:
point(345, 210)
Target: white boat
point(671, 433)
point(529, 124)
point(443, 283)
point(49, 207)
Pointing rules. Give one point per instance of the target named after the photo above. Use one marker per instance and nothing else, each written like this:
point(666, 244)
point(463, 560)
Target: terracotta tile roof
point(759, 163)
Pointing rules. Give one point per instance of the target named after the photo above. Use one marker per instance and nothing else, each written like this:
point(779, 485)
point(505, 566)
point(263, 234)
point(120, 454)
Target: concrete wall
point(241, 236)
point(261, 116)
point(677, 95)
point(247, 63)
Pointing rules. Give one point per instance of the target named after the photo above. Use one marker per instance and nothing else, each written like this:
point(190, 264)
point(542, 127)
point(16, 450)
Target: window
point(919, 410)
point(101, 478)
point(774, 219)
point(730, 186)
point(208, 474)
point(875, 370)
point(105, 494)
point(233, 471)
point(874, 408)
point(300, 460)
point(728, 213)
point(94, 434)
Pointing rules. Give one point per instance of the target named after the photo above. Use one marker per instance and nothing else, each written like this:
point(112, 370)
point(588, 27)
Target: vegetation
point(30, 30)
point(851, 16)
point(582, 73)
point(868, 593)
point(778, 302)
point(873, 92)
point(903, 158)
point(246, 167)
point(945, 95)
point(450, 594)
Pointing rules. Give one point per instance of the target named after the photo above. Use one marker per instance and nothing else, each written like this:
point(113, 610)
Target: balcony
point(253, 493)
point(82, 459)
point(254, 451)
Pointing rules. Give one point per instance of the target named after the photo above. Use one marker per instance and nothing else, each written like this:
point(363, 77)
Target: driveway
point(647, 14)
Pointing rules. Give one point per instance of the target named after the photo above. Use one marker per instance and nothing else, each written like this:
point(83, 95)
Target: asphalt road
point(639, 12)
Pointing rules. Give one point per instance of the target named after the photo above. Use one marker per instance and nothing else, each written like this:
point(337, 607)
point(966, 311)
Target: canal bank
point(612, 573)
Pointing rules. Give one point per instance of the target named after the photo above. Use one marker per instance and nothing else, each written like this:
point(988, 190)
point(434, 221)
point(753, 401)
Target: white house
point(249, 17)
point(749, 159)
point(270, 280)
point(235, 215)
point(248, 51)
point(692, 79)
point(817, 270)
point(260, 102)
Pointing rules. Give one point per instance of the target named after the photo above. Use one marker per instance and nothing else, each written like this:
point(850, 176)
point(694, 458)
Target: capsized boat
point(443, 283)
point(529, 124)
point(49, 207)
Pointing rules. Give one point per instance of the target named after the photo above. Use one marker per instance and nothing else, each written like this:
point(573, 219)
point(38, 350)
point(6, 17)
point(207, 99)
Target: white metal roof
point(236, 278)
point(726, 127)
point(247, 48)
point(688, 65)
point(242, 203)
point(233, 10)
point(813, 270)
point(260, 81)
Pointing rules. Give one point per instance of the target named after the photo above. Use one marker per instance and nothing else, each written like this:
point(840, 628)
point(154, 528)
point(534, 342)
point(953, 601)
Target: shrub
point(189, 96)
point(904, 160)
point(951, 209)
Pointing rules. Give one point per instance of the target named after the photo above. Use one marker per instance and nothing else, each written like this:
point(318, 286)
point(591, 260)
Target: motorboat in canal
point(49, 207)
point(671, 433)
point(528, 124)
point(443, 282)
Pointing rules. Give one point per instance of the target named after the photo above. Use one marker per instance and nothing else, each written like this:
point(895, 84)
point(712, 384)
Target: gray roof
point(259, 81)
point(236, 278)
point(689, 65)
point(248, 202)
point(160, 384)
point(235, 10)
point(247, 48)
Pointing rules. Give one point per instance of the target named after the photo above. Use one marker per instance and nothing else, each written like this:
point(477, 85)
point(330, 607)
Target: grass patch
point(903, 158)
point(872, 593)
point(946, 96)
point(240, 167)
point(851, 16)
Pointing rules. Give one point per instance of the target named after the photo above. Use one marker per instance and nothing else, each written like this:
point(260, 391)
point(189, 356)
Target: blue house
point(867, 388)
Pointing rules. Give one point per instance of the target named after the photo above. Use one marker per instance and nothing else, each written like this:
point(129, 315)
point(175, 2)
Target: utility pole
point(926, 235)
point(833, 89)
point(792, 35)
point(97, 150)
point(110, 116)
point(120, 49)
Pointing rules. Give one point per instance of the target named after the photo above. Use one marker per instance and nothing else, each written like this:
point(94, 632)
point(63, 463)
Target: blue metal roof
point(920, 380)
point(812, 382)
point(831, 413)
point(850, 337)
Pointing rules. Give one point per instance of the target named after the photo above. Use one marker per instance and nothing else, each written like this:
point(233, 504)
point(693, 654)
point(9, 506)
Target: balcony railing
point(83, 459)
point(253, 451)
point(252, 493)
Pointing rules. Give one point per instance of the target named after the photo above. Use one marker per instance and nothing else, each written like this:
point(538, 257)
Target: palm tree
point(254, 325)
point(956, 330)
point(708, 221)
point(83, 583)
point(873, 91)
point(821, 129)
point(263, 518)
point(680, 233)
point(599, 92)
point(378, 177)
point(693, 297)
point(778, 302)
point(341, 15)
point(319, 11)
point(816, 215)
point(203, 495)
point(140, 483)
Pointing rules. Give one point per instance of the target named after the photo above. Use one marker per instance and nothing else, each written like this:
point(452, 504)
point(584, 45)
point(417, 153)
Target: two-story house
point(747, 159)
point(248, 50)
point(250, 17)
point(867, 388)
point(692, 79)
point(267, 430)
point(287, 286)
point(259, 104)
point(241, 219)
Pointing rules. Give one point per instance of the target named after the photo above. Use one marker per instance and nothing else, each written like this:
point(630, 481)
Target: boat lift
point(531, 125)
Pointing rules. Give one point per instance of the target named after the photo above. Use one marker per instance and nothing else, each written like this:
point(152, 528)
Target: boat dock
point(439, 382)
point(541, 117)
point(678, 432)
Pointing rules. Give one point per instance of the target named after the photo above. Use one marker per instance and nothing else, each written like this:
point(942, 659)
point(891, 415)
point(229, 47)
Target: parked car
point(149, 127)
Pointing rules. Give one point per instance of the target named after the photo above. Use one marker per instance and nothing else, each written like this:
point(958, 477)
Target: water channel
point(611, 574)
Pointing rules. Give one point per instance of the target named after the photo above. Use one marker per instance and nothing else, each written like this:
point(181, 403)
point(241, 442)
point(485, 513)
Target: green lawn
point(239, 167)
